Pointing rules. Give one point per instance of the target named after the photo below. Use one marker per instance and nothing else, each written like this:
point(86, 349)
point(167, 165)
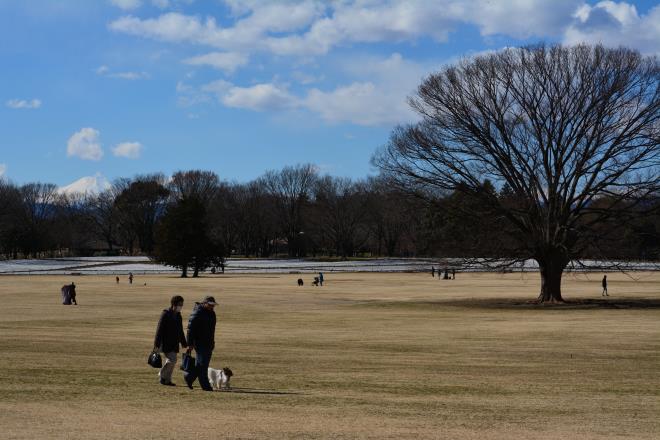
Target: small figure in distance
point(222, 266)
point(433, 271)
point(453, 274)
point(300, 282)
point(321, 278)
point(605, 286)
point(316, 281)
point(72, 292)
point(130, 278)
point(69, 294)
point(117, 280)
point(446, 277)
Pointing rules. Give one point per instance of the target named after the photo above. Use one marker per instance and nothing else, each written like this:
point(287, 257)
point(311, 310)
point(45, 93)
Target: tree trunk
point(551, 272)
point(184, 272)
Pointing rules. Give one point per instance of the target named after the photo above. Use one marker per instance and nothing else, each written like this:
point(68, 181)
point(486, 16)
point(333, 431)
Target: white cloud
point(173, 27)
point(376, 89)
point(130, 150)
point(85, 144)
point(127, 4)
point(359, 103)
point(306, 78)
point(23, 103)
point(521, 18)
point(371, 22)
point(225, 61)
point(189, 95)
point(218, 87)
point(259, 97)
point(308, 27)
point(616, 24)
point(132, 76)
point(182, 87)
point(164, 4)
point(3, 169)
point(379, 97)
point(247, 34)
point(86, 185)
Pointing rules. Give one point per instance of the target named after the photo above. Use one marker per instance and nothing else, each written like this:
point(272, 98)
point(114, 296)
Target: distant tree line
point(194, 220)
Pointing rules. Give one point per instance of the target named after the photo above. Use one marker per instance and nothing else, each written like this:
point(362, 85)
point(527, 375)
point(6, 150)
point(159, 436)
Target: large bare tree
point(574, 133)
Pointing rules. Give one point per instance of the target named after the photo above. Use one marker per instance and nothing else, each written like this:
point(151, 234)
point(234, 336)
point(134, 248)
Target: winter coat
point(201, 328)
point(169, 333)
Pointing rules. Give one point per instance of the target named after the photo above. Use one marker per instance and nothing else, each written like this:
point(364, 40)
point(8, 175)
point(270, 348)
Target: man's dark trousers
point(201, 372)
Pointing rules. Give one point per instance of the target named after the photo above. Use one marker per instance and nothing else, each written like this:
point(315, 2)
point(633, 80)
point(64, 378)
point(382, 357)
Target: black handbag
point(155, 360)
point(187, 362)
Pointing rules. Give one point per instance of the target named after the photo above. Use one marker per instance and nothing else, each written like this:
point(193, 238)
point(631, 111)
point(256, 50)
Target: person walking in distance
point(433, 271)
point(321, 278)
point(169, 334)
point(72, 291)
point(130, 278)
point(201, 338)
point(605, 286)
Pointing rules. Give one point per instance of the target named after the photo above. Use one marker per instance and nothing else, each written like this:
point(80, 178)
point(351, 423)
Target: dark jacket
point(201, 328)
point(169, 333)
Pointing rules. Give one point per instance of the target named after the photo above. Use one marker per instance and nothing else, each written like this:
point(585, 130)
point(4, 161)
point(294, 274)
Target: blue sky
point(100, 89)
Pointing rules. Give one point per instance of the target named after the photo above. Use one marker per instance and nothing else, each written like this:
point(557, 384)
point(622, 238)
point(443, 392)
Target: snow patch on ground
point(142, 265)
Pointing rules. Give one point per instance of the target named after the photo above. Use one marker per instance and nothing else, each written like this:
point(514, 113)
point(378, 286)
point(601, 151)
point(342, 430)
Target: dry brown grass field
point(401, 356)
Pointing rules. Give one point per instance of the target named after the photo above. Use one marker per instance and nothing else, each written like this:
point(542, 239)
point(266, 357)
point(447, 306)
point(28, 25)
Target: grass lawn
point(401, 356)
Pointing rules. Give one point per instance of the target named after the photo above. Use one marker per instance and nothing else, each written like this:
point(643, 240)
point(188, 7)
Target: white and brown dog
point(219, 379)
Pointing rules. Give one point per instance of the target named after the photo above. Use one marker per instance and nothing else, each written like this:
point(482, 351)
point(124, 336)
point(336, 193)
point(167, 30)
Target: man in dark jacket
point(169, 334)
point(201, 337)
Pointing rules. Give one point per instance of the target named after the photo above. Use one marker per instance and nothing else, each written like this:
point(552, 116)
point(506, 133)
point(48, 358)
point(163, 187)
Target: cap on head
point(209, 300)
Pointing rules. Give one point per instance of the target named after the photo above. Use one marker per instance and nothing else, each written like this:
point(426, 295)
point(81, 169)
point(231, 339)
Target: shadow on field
point(259, 391)
point(513, 304)
point(628, 303)
point(209, 276)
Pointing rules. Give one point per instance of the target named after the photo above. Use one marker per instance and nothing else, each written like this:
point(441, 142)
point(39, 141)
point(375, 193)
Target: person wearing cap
point(201, 338)
point(169, 334)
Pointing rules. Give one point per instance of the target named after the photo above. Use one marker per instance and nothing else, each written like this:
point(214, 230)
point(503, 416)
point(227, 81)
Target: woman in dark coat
point(169, 334)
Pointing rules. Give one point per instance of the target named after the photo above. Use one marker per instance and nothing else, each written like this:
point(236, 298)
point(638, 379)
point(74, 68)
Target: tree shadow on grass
point(580, 304)
point(211, 276)
point(260, 391)
point(521, 304)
